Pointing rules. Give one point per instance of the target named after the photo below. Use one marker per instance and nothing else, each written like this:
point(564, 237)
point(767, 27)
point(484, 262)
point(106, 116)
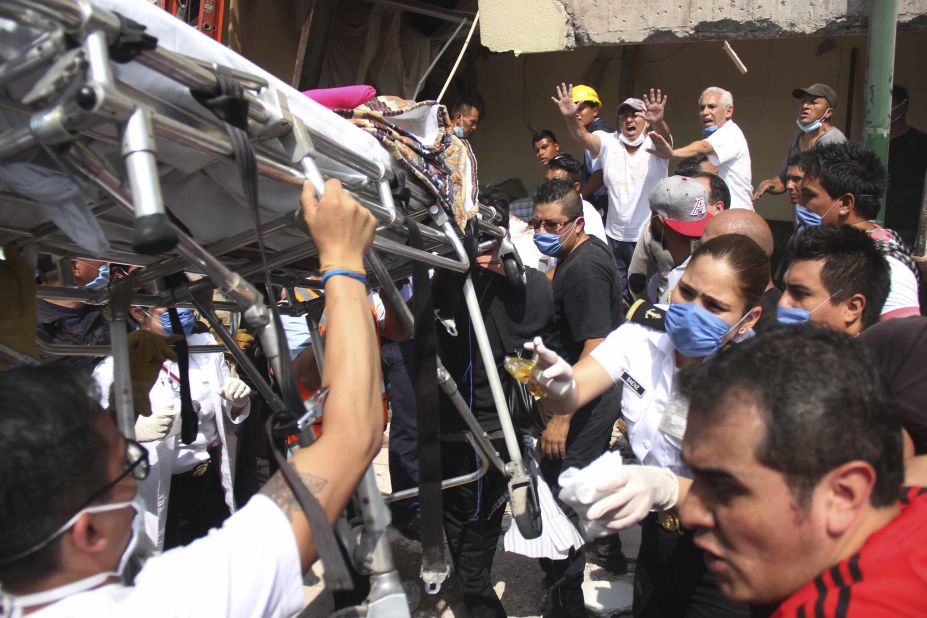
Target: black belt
point(201, 469)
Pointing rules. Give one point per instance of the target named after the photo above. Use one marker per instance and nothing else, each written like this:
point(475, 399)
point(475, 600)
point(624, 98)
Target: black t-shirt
point(587, 303)
point(907, 163)
point(82, 325)
point(528, 310)
point(899, 348)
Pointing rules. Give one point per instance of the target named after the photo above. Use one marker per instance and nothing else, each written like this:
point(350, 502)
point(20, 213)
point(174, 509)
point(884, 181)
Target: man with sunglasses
point(68, 479)
point(587, 307)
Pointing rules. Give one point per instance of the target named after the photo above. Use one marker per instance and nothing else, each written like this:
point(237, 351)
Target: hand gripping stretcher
point(106, 97)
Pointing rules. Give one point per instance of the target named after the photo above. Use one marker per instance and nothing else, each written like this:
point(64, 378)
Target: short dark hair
point(900, 93)
point(748, 261)
point(794, 159)
point(465, 102)
point(690, 165)
point(544, 134)
point(491, 196)
point(821, 399)
point(561, 192)
point(852, 265)
point(848, 168)
point(569, 164)
point(54, 458)
point(718, 188)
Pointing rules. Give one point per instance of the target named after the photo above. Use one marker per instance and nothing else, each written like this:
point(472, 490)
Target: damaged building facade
point(625, 47)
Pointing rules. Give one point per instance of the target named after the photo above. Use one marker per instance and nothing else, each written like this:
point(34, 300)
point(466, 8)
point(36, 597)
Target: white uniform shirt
point(594, 225)
point(250, 567)
point(672, 280)
point(643, 360)
point(629, 180)
point(732, 157)
point(902, 300)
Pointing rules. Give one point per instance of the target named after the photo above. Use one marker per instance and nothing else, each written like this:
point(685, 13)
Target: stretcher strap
point(227, 102)
point(189, 422)
point(335, 571)
point(131, 41)
point(426, 402)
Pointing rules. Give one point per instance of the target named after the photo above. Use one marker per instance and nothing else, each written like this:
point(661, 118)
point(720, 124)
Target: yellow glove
point(18, 321)
point(147, 352)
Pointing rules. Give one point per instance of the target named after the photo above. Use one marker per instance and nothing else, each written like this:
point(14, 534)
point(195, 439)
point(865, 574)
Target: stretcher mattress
point(203, 191)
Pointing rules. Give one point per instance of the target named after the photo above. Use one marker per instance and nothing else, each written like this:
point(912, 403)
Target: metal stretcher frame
point(72, 122)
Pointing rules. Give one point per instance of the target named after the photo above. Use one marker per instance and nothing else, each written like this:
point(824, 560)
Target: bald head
point(744, 222)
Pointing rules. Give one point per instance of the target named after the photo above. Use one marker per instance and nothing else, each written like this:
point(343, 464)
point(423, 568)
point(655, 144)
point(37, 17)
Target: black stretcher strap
point(189, 421)
point(130, 41)
point(227, 102)
point(426, 403)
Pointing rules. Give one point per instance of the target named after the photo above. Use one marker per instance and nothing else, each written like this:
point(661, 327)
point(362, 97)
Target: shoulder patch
point(647, 314)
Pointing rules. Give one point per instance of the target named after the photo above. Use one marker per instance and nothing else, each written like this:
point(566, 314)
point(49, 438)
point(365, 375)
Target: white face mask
point(637, 141)
point(12, 606)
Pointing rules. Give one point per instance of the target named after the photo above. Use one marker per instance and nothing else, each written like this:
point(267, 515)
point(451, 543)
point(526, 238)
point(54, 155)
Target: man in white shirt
point(68, 479)
point(724, 144)
point(630, 171)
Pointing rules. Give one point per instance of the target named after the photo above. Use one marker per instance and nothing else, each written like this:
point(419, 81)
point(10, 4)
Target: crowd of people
point(769, 415)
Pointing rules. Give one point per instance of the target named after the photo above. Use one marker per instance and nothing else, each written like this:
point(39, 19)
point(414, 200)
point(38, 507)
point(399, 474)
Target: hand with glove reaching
point(631, 493)
point(554, 376)
point(236, 393)
point(163, 422)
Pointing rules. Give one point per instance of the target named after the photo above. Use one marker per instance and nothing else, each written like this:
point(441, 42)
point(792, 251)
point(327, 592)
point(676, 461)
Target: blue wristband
point(346, 273)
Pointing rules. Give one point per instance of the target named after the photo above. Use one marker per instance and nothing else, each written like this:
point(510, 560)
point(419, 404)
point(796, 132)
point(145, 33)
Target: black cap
point(817, 90)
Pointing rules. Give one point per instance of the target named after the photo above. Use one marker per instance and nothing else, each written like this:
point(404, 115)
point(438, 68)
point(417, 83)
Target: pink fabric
point(343, 97)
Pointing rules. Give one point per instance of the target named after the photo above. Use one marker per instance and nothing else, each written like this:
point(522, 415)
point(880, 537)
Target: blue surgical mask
point(812, 126)
point(808, 217)
point(792, 315)
point(101, 280)
point(706, 131)
point(547, 243)
point(797, 315)
point(694, 331)
point(187, 320)
point(459, 132)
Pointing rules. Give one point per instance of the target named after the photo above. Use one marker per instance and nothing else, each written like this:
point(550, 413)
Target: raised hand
point(564, 100)
point(656, 105)
point(661, 147)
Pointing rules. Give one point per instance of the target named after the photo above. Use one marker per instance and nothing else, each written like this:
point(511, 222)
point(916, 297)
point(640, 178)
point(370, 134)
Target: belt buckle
point(200, 470)
point(669, 522)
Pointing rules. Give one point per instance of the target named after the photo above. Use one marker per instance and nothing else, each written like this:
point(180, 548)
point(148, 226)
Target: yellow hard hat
point(586, 93)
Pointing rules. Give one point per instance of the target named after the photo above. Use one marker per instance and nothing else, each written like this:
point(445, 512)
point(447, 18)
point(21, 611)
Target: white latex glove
point(162, 423)
point(556, 375)
point(235, 392)
point(632, 492)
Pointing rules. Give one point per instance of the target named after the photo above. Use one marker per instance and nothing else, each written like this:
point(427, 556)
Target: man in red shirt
point(796, 456)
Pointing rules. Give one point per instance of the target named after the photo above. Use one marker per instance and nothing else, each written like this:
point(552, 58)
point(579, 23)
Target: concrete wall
point(553, 25)
point(518, 91)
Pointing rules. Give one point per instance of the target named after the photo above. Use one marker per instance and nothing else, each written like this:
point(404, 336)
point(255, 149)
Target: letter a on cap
point(699, 208)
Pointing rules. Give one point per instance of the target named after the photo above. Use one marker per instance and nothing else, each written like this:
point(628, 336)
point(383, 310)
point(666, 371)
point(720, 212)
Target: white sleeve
point(725, 144)
point(612, 353)
point(378, 308)
point(103, 376)
point(223, 373)
point(902, 294)
point(249, 568)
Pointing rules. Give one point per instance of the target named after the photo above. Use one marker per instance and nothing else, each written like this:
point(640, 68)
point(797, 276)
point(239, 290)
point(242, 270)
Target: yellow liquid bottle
point(521, 369)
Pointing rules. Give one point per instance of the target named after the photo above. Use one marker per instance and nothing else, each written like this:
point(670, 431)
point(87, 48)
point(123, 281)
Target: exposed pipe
point(880, 66)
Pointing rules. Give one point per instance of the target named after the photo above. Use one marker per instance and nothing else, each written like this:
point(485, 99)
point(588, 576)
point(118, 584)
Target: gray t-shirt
point(834, 136)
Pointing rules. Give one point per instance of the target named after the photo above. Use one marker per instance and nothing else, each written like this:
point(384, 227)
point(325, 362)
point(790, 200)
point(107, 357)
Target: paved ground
point(518, 579)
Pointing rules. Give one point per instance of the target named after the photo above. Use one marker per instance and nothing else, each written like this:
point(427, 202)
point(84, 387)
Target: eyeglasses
point(549, 226)
point(136, 464)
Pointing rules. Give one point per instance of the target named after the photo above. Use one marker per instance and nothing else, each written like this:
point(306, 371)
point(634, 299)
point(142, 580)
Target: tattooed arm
point(352, 426)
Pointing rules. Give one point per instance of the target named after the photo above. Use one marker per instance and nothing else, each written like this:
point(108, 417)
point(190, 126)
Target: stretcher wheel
point(526, 508)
